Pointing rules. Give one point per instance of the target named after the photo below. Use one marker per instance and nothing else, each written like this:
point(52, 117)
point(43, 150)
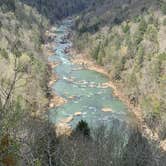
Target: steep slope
point(21, 39)
point(128, 39)
point(23, 77)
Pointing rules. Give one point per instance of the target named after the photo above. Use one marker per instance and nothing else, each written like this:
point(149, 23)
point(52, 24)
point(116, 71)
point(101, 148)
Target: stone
point(63, 129)
point(78, 114)
point(50, 83)
point(71, 97)
point(51, 105)
point(67, 120)
point(107, 110)
point(163, 145)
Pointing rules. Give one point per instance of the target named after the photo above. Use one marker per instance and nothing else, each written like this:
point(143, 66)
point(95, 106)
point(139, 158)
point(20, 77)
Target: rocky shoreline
point(61, 128)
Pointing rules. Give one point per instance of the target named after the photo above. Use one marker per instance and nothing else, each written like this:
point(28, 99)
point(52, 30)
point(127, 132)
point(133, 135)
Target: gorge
point(82, 83)
point(82, 89)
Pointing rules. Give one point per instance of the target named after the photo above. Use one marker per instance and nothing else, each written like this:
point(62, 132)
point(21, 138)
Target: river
point(82, 88)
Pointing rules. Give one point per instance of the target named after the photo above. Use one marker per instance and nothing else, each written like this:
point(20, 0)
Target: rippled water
point(84, 86)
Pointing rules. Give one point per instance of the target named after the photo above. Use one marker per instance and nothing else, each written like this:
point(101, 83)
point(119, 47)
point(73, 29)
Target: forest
point(127, 38)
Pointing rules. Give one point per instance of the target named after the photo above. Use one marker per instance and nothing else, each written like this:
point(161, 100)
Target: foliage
point(137, 151)
point(163, 7)
point(95, 52)
point(4, 53)
point(141, 31)
point(126, 28)
point(8, 151)
point(140, 55)
point(22, 80)
point(83, 128)
point(114, 145)
point(164, 22)
point(152, 33)
point(125, 50)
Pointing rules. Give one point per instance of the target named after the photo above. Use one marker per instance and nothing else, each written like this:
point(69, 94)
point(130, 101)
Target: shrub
point(10, 4)
point(139, 35)
point(138, 38)
point(153, 20)
point(94, 27)
point(83, 128)
point(140, 55)
point(142, 26)
point(163, 7)
point(83, 29)
point(8, 151)
point(4, 54)
point(95, 52)
point(153, 120)
point(164, 22)
point(137, 151)
point(117, 20)
point(1, 24)
point(143, 9)
point(162, 130)
point(126, 28)
point(136, 19)
point(151, 33)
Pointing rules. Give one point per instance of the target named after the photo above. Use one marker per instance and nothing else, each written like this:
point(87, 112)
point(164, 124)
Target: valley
point(86, 92)
point(82, 83)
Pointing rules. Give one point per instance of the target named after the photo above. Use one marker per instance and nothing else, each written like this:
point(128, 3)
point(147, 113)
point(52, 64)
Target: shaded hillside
point(55, 9)
point(128, 39)
point(112, 12)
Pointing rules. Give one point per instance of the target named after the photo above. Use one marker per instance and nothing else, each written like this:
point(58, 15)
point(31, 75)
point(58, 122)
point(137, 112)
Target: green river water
point(85, 85)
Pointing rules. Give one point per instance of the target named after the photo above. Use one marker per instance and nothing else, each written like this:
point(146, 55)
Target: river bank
point(54, 100)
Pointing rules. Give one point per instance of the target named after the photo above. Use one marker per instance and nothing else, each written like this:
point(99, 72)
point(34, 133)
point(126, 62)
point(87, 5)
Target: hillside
point(131, 46)
point(23, 77)
point(21, 52)
point(55, 9)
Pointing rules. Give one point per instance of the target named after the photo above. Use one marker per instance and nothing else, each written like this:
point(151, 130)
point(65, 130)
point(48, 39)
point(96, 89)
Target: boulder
point(107, 110)
point(63, 129)
point(67, 120)
point(51, 105)
point(78, 114)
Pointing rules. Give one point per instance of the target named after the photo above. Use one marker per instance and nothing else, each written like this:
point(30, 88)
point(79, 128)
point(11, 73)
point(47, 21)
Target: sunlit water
point(89, 97)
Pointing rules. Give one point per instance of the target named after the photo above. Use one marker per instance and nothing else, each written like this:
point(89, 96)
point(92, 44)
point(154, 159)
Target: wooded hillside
point(128, 39)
